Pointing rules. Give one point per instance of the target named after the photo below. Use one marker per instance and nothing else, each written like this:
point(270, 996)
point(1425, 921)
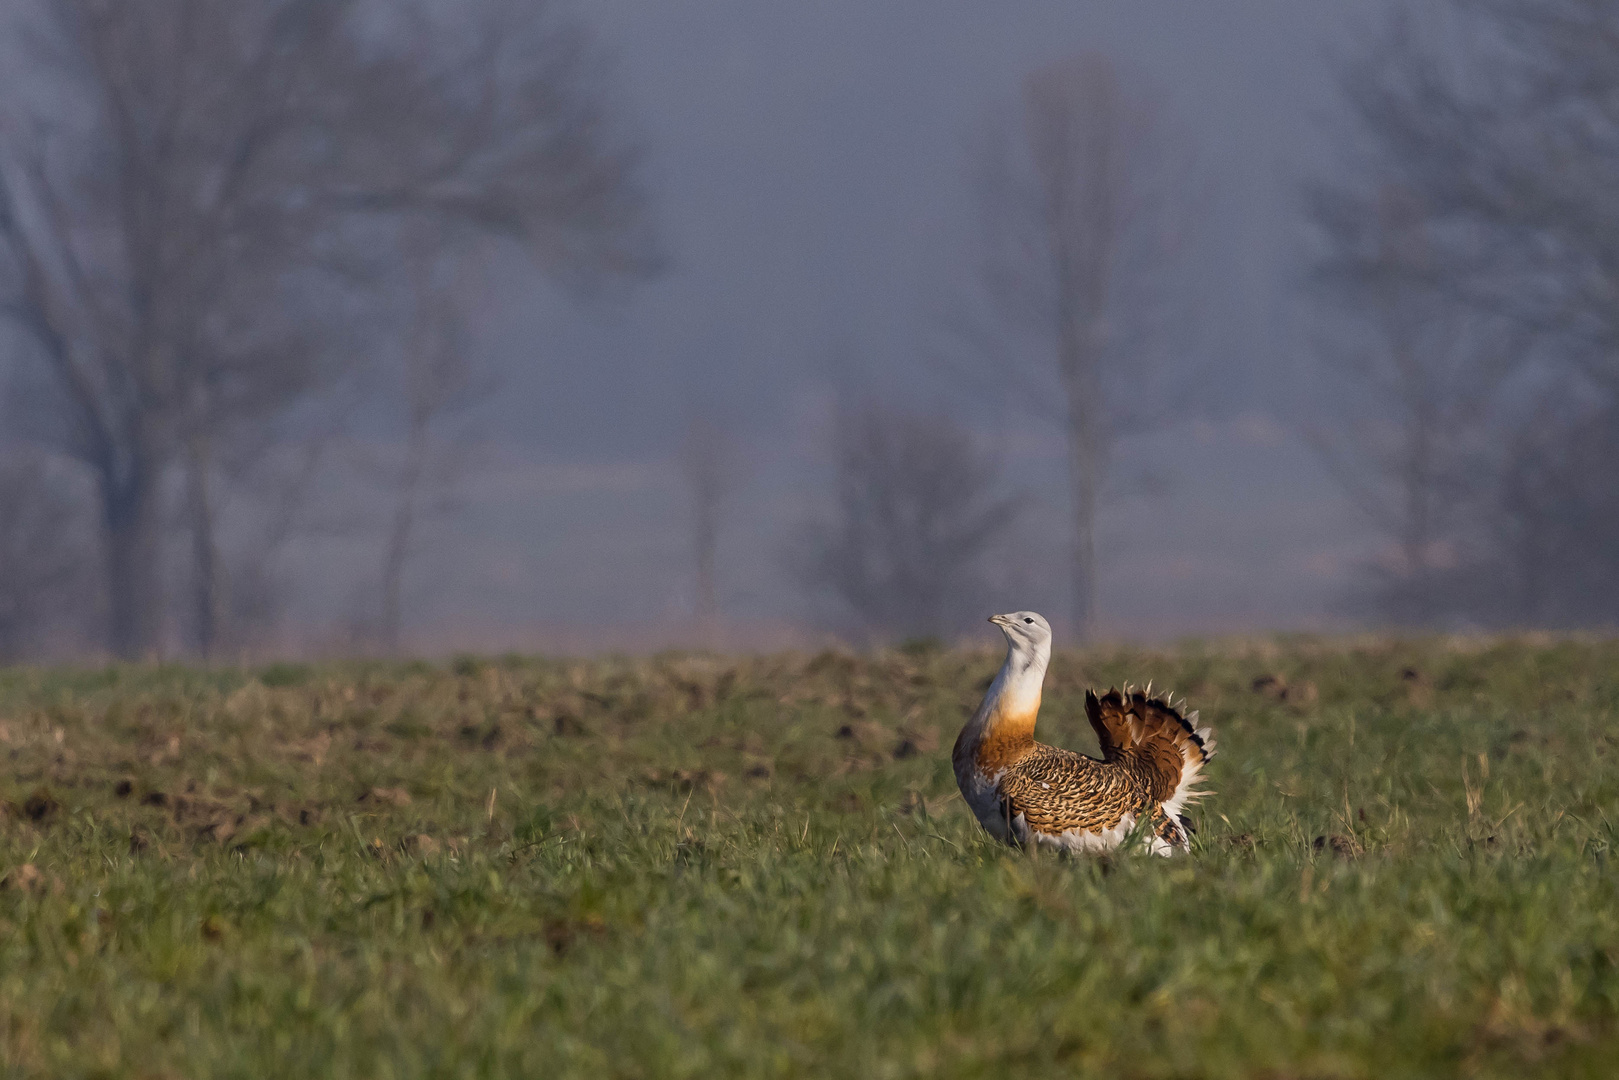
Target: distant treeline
point(235, 234)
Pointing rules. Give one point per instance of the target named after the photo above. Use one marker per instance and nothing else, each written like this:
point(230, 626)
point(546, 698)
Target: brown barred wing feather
point(1056, 791)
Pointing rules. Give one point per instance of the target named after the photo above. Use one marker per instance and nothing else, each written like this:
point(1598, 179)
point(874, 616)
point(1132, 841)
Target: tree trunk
point(1082, 474)
point(207, 571)
point(134, 584)
point(706, 536)
point(390, 629)
point(391, 621)
point(1080, 351)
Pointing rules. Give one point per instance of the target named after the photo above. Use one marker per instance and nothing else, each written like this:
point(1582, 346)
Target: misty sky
point(808, 163)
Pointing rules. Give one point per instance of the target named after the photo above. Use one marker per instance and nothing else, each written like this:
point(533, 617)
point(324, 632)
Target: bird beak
point(998, 620)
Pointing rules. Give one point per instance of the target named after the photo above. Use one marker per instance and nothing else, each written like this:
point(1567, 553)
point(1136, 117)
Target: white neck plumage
point(1014, 696)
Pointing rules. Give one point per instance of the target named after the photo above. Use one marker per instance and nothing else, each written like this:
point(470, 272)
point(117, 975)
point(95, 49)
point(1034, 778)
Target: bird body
point(1023, 791)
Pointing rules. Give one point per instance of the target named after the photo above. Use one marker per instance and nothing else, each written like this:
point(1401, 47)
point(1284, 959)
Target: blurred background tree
point(713, 468)
point(45, 577)
point(1476, 234)
point(916, 512)
point(188, 244)
point(1086, 203)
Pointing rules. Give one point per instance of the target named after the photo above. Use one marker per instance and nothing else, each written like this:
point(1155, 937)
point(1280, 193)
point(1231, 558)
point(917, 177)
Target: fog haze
point(811, 166)
point(808, 172)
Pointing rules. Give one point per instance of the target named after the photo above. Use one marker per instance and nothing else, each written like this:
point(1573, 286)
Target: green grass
point(706, 867)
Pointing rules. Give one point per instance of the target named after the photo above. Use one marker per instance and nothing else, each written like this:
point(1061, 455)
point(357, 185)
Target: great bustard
point(1023, 791)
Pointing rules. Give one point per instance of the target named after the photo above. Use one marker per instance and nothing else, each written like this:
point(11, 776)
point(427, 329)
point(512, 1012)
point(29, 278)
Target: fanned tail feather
point(1154, 735)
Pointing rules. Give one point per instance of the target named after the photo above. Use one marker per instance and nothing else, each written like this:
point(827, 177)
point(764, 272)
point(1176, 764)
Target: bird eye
point(1029, 621)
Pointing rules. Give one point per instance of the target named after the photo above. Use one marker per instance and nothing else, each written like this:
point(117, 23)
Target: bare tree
point(1412, 385)
point(184, 236)
point(439, 382)
point(1556, 526)
point(712, 467)
point(1084, 219)
point(172, 163)
point(916, 514)
point(1501, 119)
point(268, 500)
point(42, 557)
point(254, 460)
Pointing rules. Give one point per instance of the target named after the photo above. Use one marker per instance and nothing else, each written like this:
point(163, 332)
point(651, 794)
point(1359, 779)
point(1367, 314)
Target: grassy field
point(696, 866)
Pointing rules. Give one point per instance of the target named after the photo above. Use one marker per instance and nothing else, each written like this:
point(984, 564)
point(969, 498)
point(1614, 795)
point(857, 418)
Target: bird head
point(1027, 632)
